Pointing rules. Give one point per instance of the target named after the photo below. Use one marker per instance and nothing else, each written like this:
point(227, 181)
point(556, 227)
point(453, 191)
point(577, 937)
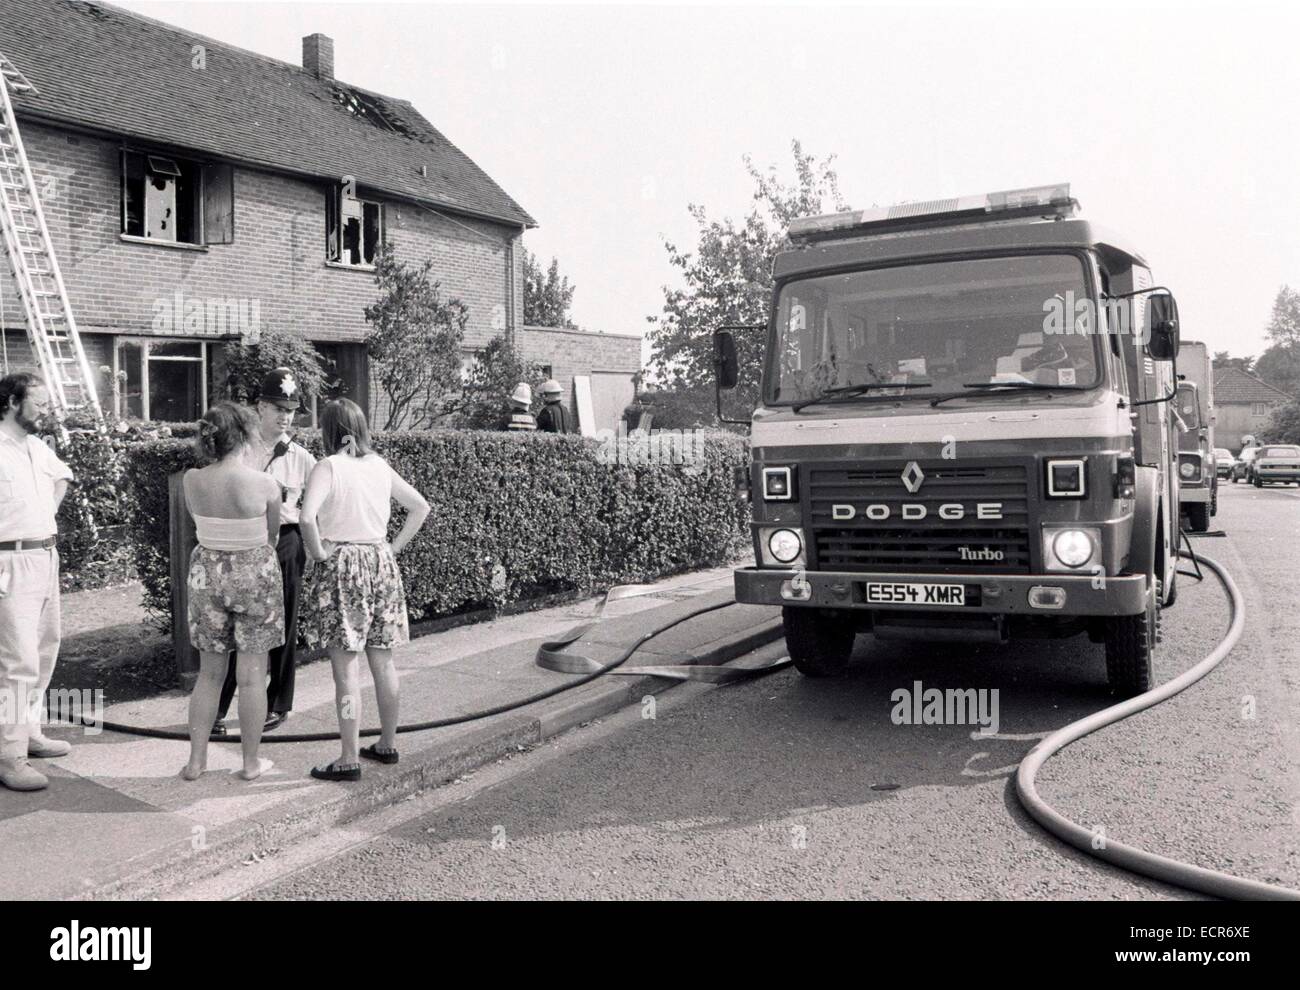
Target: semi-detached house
point(196, 193)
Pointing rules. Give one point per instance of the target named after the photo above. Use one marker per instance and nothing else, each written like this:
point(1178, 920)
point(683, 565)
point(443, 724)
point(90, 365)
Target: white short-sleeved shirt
point(290, 471)
point(28, 472)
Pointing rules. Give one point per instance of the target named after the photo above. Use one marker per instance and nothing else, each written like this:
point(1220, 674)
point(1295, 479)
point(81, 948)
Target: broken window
point(162, 198)
point(354, 228)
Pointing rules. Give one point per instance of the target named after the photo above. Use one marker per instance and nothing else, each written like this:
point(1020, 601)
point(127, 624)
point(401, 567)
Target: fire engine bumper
point(1190, 496)
point(1006, 594)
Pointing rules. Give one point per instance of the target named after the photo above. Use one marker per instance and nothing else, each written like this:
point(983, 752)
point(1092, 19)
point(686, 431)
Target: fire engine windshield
point(1189, 419)
point(945, 327)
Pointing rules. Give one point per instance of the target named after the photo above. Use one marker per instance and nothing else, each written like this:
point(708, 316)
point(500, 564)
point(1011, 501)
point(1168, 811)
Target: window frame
point(334, 242)
point(145, 358)
point(200, 196)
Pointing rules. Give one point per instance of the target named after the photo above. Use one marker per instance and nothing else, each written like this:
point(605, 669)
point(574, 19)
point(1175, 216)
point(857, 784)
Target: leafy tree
point(1280, 364)
point(414, 341)
point(548, 296)
point(1284, 424)
point(1222, 360)
point(248, 363)
point(489, 380)
point(728, 279)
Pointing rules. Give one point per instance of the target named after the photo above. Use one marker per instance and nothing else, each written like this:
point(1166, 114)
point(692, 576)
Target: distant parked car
point(1241, 467)
point(1223, 462)
point(1276, 462)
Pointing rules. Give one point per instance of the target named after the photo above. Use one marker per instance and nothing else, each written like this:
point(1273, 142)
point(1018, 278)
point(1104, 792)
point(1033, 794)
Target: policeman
point(33, 482)
point(553, 418)
point(519, 417)
point(289, 464)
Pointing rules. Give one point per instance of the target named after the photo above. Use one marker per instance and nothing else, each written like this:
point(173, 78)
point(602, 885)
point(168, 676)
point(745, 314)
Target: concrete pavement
point(117, 821)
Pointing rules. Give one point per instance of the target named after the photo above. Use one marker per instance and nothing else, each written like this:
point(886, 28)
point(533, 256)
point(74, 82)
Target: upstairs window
point(354, 228)
point(176, 201)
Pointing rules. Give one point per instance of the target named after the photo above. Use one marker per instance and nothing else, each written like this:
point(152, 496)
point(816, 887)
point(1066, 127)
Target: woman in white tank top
point(235, 600)
point(353, 601)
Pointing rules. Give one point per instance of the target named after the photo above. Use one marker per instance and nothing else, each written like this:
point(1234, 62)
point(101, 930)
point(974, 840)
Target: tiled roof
point(104, 69)
point(1234, 385)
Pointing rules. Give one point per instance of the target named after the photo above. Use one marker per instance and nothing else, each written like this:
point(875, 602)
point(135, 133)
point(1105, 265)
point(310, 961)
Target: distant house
point(197, 193)
point(1244, 403)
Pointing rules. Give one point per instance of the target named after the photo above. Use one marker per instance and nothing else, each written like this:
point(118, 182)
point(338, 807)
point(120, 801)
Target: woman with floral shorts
point(236, 604)
point(353, 601)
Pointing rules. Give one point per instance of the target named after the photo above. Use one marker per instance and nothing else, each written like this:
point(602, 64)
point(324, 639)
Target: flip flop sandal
point(334, 772)
point(374, 753)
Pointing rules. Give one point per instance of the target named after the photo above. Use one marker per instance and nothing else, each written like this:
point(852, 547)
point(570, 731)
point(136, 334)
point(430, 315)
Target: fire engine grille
point(933, 543)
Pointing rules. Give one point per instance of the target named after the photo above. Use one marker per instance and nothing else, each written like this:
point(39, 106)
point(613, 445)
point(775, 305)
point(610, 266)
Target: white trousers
point(29, 644)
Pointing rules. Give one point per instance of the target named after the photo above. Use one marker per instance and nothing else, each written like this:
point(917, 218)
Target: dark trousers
point(281, 662)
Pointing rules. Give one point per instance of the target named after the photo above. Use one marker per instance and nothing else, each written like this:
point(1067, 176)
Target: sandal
point(382, 755)
point(347, 771)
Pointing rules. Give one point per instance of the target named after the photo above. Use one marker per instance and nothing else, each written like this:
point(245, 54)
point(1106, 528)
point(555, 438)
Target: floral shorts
point(236, 600)
point(354, 599)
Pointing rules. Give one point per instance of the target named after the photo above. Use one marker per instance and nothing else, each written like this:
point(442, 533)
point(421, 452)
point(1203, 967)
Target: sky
point(1179, 127)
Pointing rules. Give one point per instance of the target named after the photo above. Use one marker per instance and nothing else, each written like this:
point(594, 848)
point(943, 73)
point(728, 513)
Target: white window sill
point(178, 245)
point(350, 268)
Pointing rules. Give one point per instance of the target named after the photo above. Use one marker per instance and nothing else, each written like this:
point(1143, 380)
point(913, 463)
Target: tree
point(1283, 424)
point(414, 341)
point(546, 297)
point(1222, 360)
point(247, 364)
point(728, 279)
point(1280, 364)
point(489, 380)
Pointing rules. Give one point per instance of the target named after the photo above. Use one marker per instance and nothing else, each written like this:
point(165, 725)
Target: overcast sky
point(1179, 127)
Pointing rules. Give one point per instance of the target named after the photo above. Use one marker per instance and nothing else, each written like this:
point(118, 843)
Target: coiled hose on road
point(1119, 854)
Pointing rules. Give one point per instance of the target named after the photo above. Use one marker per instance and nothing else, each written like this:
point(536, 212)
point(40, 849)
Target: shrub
point(513, 515)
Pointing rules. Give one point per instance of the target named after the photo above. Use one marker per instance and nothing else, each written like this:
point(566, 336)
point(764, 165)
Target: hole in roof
point(99, 13)
point(372, 110)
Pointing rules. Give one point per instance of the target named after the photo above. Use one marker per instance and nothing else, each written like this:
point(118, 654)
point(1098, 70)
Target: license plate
point(914, 593)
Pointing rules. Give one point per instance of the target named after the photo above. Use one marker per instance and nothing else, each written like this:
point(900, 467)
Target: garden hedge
point(513, 515)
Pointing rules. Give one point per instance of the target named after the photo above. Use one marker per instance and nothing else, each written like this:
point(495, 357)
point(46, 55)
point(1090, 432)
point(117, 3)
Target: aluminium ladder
point(51, 328)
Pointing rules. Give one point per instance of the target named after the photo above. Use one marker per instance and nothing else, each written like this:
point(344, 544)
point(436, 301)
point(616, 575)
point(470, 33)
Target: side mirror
point(1162, 319)
point(725, 363)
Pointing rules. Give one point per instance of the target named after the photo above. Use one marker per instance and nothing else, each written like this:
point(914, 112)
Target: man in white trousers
point(33, 482)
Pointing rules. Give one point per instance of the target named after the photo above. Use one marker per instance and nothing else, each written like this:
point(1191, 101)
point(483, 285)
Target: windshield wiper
point(849, 391)
point(993, 388)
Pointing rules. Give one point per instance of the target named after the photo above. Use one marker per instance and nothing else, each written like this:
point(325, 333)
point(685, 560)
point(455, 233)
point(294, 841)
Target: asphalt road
point(793, 788)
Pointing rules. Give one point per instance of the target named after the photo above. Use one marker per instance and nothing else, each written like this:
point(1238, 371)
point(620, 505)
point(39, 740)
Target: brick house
point(197, 193)
point(1243, 404)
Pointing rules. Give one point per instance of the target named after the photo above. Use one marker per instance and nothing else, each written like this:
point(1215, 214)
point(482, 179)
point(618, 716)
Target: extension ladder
point(50, 324)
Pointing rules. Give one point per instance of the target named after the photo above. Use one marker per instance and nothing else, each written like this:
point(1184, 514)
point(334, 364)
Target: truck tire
point(820, 643)
point(1214, 500)
point(1130, 640)
point(1198, 517)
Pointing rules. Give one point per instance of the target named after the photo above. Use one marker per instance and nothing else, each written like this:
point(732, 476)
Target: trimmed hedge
point(512, 515)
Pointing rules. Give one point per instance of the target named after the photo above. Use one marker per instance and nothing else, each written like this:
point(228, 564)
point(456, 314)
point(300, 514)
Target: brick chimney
point(318, 55)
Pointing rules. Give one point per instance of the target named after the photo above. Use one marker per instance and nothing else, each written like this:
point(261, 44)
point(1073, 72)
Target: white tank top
point(360, 500)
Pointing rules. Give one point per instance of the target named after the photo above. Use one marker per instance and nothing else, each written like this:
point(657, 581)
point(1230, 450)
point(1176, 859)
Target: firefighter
point(519, 417)
point(553, 418)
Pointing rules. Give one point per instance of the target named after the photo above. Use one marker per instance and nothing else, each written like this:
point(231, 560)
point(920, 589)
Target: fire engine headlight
point(1190, 468)
point(1072, 548)
point(785, 545)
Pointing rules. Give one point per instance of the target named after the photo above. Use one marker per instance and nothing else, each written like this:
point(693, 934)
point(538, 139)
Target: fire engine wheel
point(1214, 500)
point(1198, 517)
point(820, 643)
point(1130, 640)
